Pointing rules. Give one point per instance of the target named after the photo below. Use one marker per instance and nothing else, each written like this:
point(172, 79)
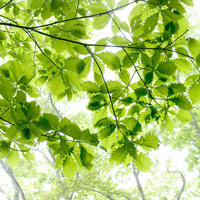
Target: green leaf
point(124, 76)
point(101, 21)
point(137, 10)
point(33, 110)
point(86, 157)
point(106, 132)
point(102, 41)
point(183, 65)
point(174, 15)
point(118, 40)
point(35, 130)
point(182, 102)
point(142, 162)
point(74, 64)
point(90, 138)
point(127, 63)
point(184, 116)
point(2, 35)
point(35, 4)
point(4, 148)
point(110, 59)
point(110, 3)
point(156, 58)
point(194, 92)
point(56, 85)
point(96, 8)
point(41, 81)
point(90, 87)
point(118, 156)
point(131, 149)
point(13, 158)
point(198, 61)
point(70, 166)
point(100, 114)
point(167, 68)
point(112, 86)
point(148, 141)
point(122, 3)
point(194, 47)
point(141, 91)
point(188, 2)
point(80, 49)
point(151, 23)
point(11, 132)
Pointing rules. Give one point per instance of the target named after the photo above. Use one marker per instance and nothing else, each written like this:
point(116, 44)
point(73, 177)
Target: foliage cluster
point(47, 43)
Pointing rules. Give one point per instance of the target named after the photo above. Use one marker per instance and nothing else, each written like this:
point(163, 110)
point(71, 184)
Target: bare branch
point(136, 174)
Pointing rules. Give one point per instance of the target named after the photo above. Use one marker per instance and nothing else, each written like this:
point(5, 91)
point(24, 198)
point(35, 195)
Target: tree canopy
point(137, 73)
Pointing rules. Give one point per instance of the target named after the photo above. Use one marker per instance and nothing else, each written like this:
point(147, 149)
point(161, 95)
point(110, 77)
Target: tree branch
point(10, 173)
point(2, 192)
point(195, 125)
point(183, 186)
point(136, 174)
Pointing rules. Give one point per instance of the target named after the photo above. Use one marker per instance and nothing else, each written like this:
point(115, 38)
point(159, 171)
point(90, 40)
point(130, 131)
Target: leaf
point(142, 162)
point(118, 156)
point(168, 123)
point(106, 132)
point(41, 81)
point(167, 68)
point(100, 114)
point(124, 76)
point(35, 130)
point(184, 116)
point(137, 10)
point(86, 157)
point(150, 141)
point(4, 148)
point(174, 15)
point(194, 92)
point(11, 132)
point(80, 49)
point(141, 91)
point(75, 64)
point(122, 3)
point(110, 59)
point(28, 155)
point(102, 41)
point(183, 65)
point(97, 8)
point(131, 149)
point(194, 47)
point(101, 21)
point(112, 86)
point(182, 102)
point(151, 23)
point(33, 110)
point(70, 166)
point(90, 87)
point(13, 158)
point(198, 61)
point(56, 85)
point(188, 2)
point(118, 40)
point(110, 3)
point(2, 35)
point(35, 4)
point(156, 58)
